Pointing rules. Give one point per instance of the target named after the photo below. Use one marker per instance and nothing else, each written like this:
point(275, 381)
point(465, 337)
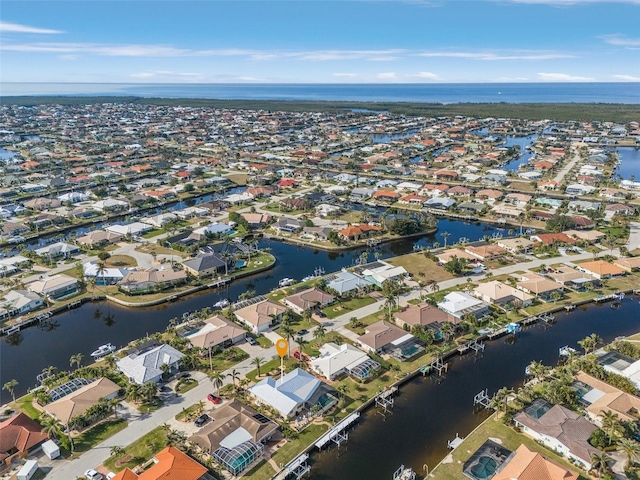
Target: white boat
point(285, 282)
point(103, 350)
point(221, 304)
point(566, 351)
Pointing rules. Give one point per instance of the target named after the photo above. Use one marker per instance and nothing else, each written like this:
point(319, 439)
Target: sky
point(319, 41)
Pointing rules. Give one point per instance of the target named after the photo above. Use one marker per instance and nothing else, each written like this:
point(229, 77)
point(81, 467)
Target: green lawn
point(510, 439)
point(25, 405)
point(89, 439)
point(341, 308)
point(185, 384)
point(139, 451)
point(153, 233)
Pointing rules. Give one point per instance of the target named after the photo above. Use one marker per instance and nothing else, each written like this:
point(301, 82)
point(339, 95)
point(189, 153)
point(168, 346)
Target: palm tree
point(342, 389)
point(611, 425)
point(390, 290)
point(500, 400)
point(51, 426)
point(301, 343)
point(235, 375)
point(448, 330)
point(599, 462)
point(258, 361)
point(76, 359)
point(217, 379)
point(289, 333)
point(445, 235)
point(587, 344)
point(116, 451)
point(538, 370)
point(319, 332)
point(631, 450)
point(149, 390)
point(10, 386)
point(133, 393)
point(110, 360)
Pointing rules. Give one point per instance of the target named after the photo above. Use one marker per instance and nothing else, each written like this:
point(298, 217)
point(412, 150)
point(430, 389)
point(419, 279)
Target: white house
point(147, 366)
point(337, 360)
point(459, 304)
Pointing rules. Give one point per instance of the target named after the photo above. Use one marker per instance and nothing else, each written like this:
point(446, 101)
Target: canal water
point(428, 412)
point(629, 163)
point(82, 330)
point(523, 143)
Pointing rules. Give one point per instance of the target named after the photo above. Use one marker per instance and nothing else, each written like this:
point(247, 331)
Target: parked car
point(91, 474)
point(251, 341)
point(214, 399)
point(183, 375)
point(201, 420)
point(303, 332)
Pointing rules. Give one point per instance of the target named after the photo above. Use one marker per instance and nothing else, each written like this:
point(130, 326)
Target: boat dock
point(404, 473)
point(606, 298)
point(455, 443)
point(385, 399)
point(482, 398)
point(337, 434)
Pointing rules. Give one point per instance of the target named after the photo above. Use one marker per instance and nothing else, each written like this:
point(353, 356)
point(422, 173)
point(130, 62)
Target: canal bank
point(429, 411)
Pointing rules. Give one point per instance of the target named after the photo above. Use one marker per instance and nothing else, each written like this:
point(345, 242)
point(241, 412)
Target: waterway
point(523, 143)
point(629, 163)
point(428, 412)
point(24, 355)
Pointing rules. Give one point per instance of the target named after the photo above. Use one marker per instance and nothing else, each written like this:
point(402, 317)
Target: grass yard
point(139, 451)
point(342, 308)
point(365, 322)
point(119, 261)
point(185, 384)
point(92, 437)
point(421, 267)
point(511, 439)
point(159, 250)
point(154, 232)
point(25, 405)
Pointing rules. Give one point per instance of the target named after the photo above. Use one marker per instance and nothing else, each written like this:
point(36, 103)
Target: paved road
point(140, 424)
point(567, 168)
point(634, 237)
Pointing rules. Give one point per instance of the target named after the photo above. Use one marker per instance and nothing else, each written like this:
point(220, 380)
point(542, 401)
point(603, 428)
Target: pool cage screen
point(236, 459)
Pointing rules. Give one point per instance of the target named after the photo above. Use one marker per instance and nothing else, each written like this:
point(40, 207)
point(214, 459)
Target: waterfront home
point(449, 254)
point(344, 282)
point(423, 315)
point(160, 220)
point(79, 401)
point(110, 205)
point(259, 317)
point(386, 338)
point(380, 272)
point(553, 238)
point(629, 264)
point(134, 228)
point(459, 304)
point(573, 279)
point(615, 362)
point(216, 332)
point(147, 365)
point(59, 249)
point(98, 238)
point(599, 397)
point(440, 203)
point(151, 279)
point(579, 189)
point(529, 465)
point(18, 302)
point(102, 275)
point(257, 220)
point(316, 233)
point(236, 436)
point(498, 293)
point(288, 225)
point(601, 269)
point(19, 435)
point(312, 298)
point(337, 360)
point(291, 395)
point(559, 429)
point(504, 211)
point(591, 236)
point(168, 463)
point(489, 195)
point(484, 252)
point(55, 287)
point(357, 232)
point(516, 245)
point(538, 285)
point(205, 264)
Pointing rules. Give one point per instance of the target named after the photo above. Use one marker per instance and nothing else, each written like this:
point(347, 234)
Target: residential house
point(98, 238)
point(380, 272)
point(599, 397)
point(58, 250)
point(572, 278)
point(530, 465)
point(257, 220)
point(216, 332)
point(151, 279)
point(134, 228)
point(540, 286)
point(78, 402)
point(316, 233)
point(559, 429)
point(345, 282)
point(440, 203)
point(601, 269)
point(423, 315)
point(312, 298)
point(205, 264)
point(553, 238)
point(383, 337)
point(459, 304)
point(55, 286)
point(236, 436)
point(629, 264)
point(337, 360)
point(147, 365)
point(259, 317)
point(160, 220)
point(485, 252)
point(110, 205)
point(19, 435)
point(516, 245)
point(498, 293)
point(169, 463)
point(291, 395)
point(103, 275)
point(18, 302)
point(288, 225)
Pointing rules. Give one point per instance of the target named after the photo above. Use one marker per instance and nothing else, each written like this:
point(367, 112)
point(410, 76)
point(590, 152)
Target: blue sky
point(319, 41)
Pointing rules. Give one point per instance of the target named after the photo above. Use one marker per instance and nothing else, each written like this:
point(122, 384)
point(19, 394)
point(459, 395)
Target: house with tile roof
point(527, 464)
point(216, 331)
point(147, 365)
point(81, 400)
point(168, 464)
point(259, 317)
point(19, 434)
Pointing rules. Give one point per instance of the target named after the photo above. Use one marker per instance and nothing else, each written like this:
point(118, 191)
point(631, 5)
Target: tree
point(149, 390)
point(538, 370)
point(448, 330)
point(51, 426)
point(445, 236)
point(611, 425)
point(133, 393)
point(390, 290)
point(288, 332)
point(103, 256)
point(343, 389)
point(456, 266)
point(217, 379)
point(116, 451)
point(10, 387)
point(500, 399)
point(258, 361)
point(234, 375)
point(76, 360)
point(319, 332)
point(301, 343)
point(599, 463)
point(631, 449)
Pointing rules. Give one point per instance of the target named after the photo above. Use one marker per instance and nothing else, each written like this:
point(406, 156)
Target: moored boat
point(103, 350)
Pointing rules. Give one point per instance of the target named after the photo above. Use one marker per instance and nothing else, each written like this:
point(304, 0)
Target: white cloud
point(562, 77)
point(324, 55)
point(621, 41)
point(166, 74)
point(7, 27)
point(626, 78)
point(105, 50)
point(387, 76)
point(494, 56)
point(425, 76)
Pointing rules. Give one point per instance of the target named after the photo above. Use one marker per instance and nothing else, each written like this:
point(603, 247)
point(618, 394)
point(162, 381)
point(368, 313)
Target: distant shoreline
point(615, 112)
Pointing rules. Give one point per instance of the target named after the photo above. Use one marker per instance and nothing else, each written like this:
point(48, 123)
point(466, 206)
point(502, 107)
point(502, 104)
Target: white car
point(91, 474)
point(110, 475)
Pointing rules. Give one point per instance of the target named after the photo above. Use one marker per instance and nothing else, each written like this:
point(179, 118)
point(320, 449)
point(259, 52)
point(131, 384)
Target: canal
point(24, 355)
point(428, 412)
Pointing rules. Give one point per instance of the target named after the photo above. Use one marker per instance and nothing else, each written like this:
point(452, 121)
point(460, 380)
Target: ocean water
point(628, 93)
